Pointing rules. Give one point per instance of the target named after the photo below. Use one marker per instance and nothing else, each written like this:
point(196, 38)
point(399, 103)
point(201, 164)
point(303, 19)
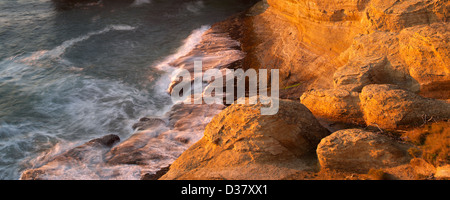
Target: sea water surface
point(74, 75)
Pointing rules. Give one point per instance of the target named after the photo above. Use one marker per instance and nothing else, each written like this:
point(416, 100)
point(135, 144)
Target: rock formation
point(337, 105)
point(367, 62)
point(388, 106)
point(240, 143)
point(359, 151)
point(381, 105)
point(309, 40)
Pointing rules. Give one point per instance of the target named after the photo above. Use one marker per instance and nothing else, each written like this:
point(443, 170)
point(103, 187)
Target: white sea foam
point(141, 2)
point(97, 103)
point(59, 50)
point(188, 44)
point(195, 7)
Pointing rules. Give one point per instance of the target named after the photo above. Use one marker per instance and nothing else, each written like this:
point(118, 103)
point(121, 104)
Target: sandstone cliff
point(332, 51)
point(321, 44)
point(366, 63)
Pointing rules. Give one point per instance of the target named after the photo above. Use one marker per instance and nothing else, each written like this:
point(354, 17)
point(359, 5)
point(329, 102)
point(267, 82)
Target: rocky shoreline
point(364, 95)
point(374, 73)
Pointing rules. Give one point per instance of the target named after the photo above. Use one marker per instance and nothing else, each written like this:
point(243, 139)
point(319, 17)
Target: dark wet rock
point(80, 152)
point(146, 123)
point(156, 141)
point(107, 141)
point(157, 175)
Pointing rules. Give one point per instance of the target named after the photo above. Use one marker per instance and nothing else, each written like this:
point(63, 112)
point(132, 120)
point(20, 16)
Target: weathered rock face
point(316, 19)
point(335, 50)
point(357, 150)
point(366, 41)
point(426, 51)
point(381, 105)
point(373, 59)
point(293, 130)
point(338, 105)
point(240, 143)
point(414, 58)
point(393, 15)
point(388, 106)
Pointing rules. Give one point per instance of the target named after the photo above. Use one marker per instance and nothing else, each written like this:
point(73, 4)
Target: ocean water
point(71, 76)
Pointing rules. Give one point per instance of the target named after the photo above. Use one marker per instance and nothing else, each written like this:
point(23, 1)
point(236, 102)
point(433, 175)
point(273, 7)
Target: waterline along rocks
point(156, 144)
point(380, 66)
point(360, 81)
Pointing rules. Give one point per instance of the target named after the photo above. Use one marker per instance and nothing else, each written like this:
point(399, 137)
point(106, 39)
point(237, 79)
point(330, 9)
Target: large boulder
point(389, 106)
point(426, 51)
point(356, 150)
point(381, 105)
point(240, 143)
point(334, 104)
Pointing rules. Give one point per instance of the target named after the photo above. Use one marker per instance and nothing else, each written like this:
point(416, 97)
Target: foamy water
point(161, 141)
point(67, 77)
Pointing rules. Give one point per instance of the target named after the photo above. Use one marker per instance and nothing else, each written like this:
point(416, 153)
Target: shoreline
point(174, 123)
point(355, 95)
